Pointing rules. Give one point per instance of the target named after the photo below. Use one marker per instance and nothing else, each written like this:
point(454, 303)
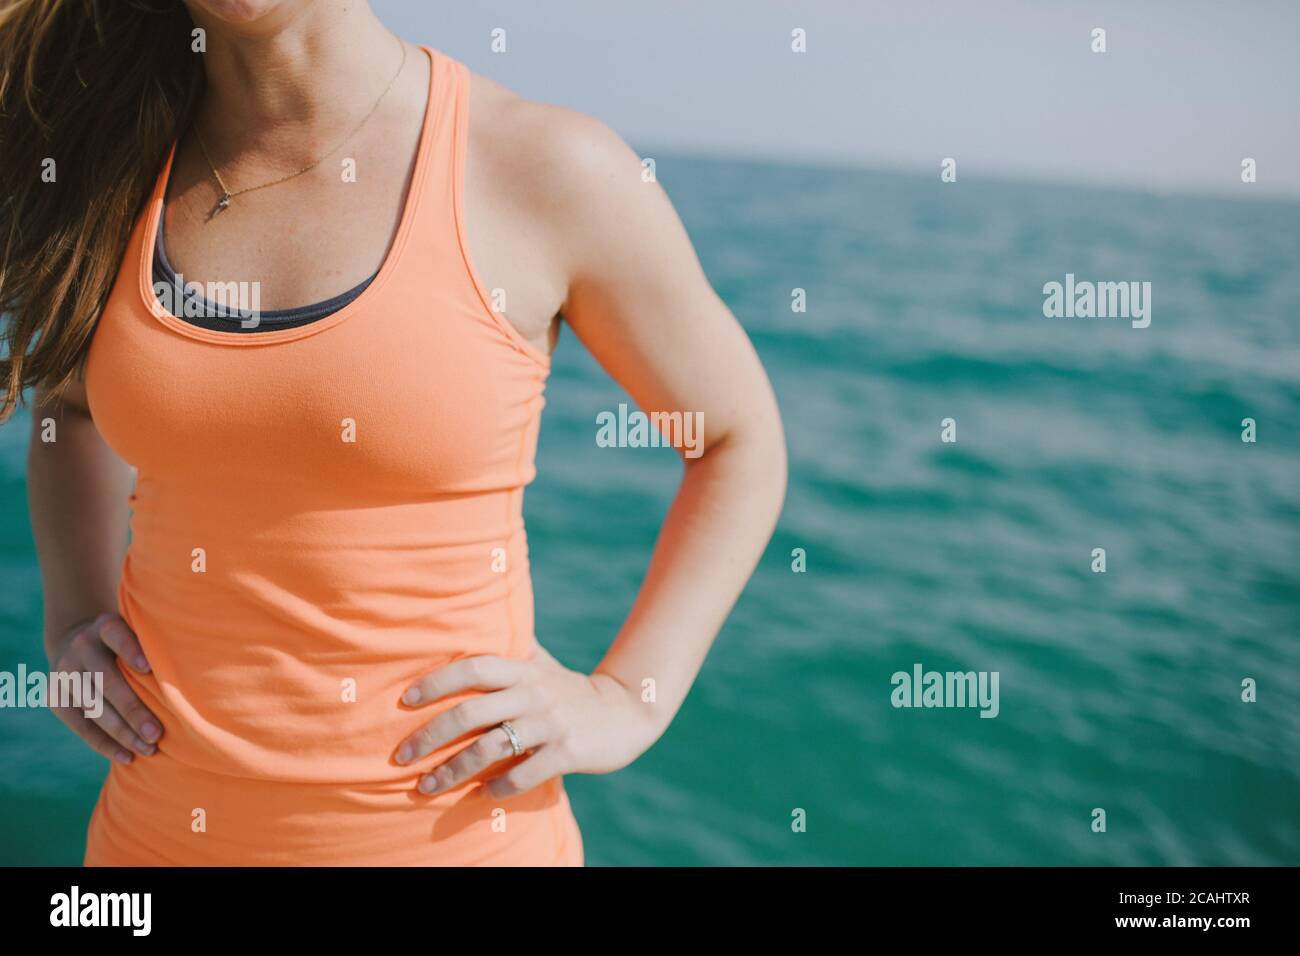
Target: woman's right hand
point(124, 724)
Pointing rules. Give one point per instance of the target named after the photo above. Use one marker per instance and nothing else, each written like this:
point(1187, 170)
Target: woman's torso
point(323, 514)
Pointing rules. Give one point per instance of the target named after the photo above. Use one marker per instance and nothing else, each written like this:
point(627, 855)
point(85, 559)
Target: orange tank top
point(322, 515)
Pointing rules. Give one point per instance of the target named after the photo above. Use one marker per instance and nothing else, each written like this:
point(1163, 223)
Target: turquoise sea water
point(1119, 690)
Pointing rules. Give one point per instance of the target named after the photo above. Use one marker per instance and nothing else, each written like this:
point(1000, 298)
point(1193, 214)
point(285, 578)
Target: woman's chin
point(238, 12)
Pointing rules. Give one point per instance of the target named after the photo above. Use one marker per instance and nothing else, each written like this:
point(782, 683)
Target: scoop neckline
point(149, 242)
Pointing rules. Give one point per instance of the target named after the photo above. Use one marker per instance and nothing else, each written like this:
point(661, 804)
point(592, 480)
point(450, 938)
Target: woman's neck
point(290, 83)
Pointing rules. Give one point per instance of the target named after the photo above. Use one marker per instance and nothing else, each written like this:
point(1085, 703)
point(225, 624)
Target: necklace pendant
point(222, 203)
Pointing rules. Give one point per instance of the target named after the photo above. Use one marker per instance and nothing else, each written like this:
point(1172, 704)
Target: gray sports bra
point(199, 311)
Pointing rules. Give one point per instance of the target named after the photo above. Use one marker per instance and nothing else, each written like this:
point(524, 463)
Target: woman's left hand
point(567, 722)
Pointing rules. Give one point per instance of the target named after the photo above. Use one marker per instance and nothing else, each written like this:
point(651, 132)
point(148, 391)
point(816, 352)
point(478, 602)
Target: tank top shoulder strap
point(447, 122)
point(441, 242)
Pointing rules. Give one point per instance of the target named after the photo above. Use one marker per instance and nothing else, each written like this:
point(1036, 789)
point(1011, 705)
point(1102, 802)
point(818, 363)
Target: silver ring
point(515, 745)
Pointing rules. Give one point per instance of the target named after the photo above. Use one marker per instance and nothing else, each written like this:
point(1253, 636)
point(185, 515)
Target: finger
point(127, 703)
point(542, 654)
point(491, 748)
point(112, 723)
point(89, 655)
point(121, 641)
point(546, 763)
point(465, 718)
point(99, 741)
point(484, 672)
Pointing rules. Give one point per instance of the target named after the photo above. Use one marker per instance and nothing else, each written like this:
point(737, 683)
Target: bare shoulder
point(582, 192)
point(556, 159)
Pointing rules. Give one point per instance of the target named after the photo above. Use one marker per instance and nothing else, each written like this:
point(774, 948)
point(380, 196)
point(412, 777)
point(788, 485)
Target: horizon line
point(1000, 174)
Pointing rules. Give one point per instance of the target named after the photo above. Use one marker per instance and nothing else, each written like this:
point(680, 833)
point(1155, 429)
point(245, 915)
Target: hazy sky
point(1006, 87)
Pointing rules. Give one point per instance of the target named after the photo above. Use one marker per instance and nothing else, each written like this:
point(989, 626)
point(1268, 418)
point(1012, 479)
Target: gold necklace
point(227, 194)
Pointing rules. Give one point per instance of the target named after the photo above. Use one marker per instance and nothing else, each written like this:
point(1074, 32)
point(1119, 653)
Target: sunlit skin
point(559, 214)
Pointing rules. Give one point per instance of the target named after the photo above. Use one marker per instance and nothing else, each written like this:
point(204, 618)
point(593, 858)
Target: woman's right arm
point(77, 492)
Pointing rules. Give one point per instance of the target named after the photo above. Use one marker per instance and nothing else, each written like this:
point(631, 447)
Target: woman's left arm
point(640, 302)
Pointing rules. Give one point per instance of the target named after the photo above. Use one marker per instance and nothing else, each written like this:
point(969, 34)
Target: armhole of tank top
point(460, 152)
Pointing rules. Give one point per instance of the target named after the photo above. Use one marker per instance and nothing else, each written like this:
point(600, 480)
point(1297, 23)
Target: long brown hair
point(92, 95)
